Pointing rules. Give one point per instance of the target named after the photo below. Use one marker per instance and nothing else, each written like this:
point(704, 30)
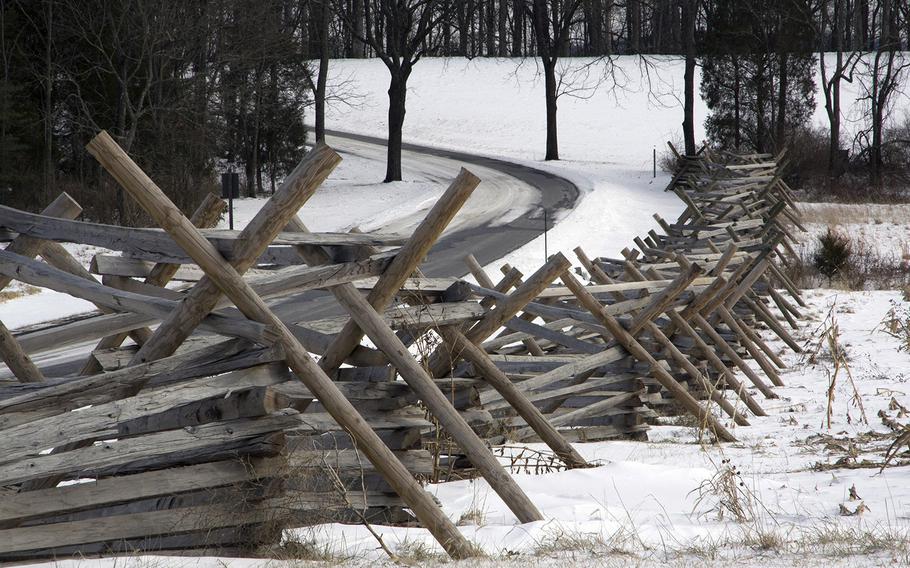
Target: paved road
point(486, 242)
point(477, 230)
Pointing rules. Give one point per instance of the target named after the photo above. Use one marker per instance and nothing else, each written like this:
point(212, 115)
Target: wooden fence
point(214, 428)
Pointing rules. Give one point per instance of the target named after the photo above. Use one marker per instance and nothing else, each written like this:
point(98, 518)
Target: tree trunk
point(832, 98)
point(503, 26)
point(885, 38)
point(737, 101)
point(760, 98)
point(606, 26)
point(358, 48)
point(517, 27)
point(689, 77)
point(878, 103)
point(633, 16)
point(859, 25)
point(463, 25)
point(549, 67)
point(783, 87)
point(397, 93)
point(4, 102)
point(491, 26)
point(322, 78)
point(48, 105)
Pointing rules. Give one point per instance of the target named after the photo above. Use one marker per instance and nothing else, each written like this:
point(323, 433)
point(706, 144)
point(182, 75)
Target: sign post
point(230, 188)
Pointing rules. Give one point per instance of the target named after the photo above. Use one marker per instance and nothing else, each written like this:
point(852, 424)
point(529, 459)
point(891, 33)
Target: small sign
point(230, 186)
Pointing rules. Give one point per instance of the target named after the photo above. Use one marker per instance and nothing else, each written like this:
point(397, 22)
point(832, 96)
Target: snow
point(606, 140)
point(879, 229)
point(655, 490)
point(28, 305)
point(646, 503)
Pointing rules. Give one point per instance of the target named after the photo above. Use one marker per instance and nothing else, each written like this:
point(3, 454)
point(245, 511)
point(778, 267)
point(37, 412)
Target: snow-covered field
point(496, 108)
point(648, 503)
point(881, 229)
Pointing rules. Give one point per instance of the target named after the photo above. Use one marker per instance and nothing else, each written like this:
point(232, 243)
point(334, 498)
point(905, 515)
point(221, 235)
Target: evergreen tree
point(757, 76)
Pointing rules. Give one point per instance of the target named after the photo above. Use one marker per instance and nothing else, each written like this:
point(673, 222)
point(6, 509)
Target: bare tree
point(881, 76)
point(843, 70)
point(690, 14)
point(400, 32)
point(552, 23)
point(320, 17)
point(41, 24)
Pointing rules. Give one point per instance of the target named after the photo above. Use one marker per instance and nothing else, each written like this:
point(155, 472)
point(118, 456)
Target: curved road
point(479, 229)
point(486, 242)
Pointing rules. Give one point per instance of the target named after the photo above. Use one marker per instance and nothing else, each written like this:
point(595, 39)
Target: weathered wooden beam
point(406, 261)
point(369, 321)
point(39, 274)
point(16, 358)
point(453, 424)
point(187, 404)
point(63, 207)
point(297, 188)
point(409, 317)
point(172, 447)
point(515, 397)
point(565, 370)
point(232, 284)
point(206, 215)
point(155, 245)
point(440, 360)
point(13, 354)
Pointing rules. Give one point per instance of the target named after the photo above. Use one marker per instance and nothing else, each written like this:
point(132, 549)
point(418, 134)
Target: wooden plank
point(187, 404)
point(155, 244)
point(541, 332)
point(138, 525)
point(207, 214)
point(409, 317)
point(421, 285)
point(577, 389)
point(56, 396)
point(159, 449)
point(440, 360)
point(296, 189)
point(18, 507)
point(17, 359)
point(515, 397)
point(610, 354)
point(39, 274)
point(281, 281)
point(649, 285)
point(12, 353)
point(64, 207)
point(115, 265)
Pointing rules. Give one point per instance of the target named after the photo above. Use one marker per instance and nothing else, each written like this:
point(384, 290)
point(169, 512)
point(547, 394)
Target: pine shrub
point(833, 254)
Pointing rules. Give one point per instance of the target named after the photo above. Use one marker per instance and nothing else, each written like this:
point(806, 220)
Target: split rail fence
point(202, 422)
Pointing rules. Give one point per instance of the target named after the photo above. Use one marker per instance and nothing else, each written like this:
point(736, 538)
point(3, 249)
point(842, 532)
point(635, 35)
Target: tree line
point(186, 87)
point(199, 86)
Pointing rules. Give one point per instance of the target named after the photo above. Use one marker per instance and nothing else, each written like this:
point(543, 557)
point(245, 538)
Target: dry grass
point(854, 213)
point(19, 291)
point(418, 553)
point(866, 268)
point(726, 494)
point(592, 544)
